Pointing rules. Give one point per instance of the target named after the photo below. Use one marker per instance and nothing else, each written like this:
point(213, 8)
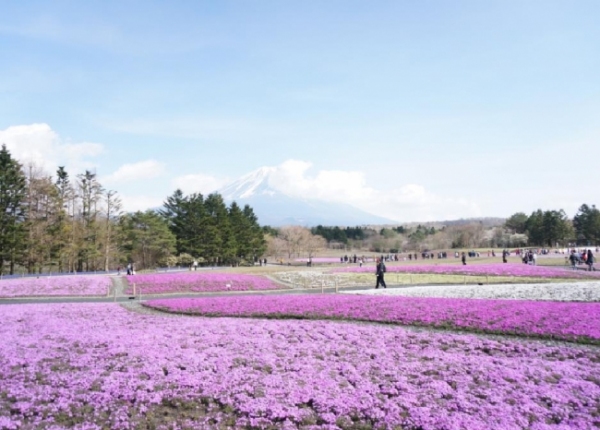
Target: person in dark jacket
point(380, 271)
point(574, 259)
point(590, 260)
point(464, 259)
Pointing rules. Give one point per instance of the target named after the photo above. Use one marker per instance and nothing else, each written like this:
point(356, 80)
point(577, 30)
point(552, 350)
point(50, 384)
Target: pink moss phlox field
point(517, 270)
point(98, 366)
point(199, 282)
point(573, 321)
point(80, 285)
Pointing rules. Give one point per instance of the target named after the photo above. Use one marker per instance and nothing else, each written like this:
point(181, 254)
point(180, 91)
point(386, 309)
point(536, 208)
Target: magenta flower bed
point(80, 285)
point(95, 366)
point(198, 283)
point(517, 270)
point(571, 321)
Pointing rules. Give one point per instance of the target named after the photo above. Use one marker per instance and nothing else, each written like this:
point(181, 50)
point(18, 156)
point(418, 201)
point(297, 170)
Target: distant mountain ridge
point(272, 207)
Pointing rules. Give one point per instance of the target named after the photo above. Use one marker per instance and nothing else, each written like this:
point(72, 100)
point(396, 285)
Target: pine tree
point(13, 192)
point(258, 244)
point(146, 238)
point(220, 236)
point(587, 224)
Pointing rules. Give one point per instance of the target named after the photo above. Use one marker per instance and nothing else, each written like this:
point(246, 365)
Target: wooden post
point(134, 289)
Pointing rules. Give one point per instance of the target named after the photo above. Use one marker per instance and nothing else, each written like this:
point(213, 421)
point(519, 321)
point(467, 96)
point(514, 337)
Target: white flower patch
point(571, 291)
point(316, 279)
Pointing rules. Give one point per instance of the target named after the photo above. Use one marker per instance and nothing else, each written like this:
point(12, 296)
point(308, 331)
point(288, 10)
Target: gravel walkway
point(119, 285)
point(572, 291)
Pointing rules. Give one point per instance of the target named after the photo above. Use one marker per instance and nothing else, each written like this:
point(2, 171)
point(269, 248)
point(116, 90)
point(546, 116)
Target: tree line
point(552, 227)
point(542, 228)
point(74, 224)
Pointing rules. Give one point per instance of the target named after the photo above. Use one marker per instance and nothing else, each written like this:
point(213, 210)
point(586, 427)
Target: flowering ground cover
point(198, 282)
point(307, 279)
point(517, 270)
point(573, 321)
point(583, 291)
point(96, 366)
point(80, 285)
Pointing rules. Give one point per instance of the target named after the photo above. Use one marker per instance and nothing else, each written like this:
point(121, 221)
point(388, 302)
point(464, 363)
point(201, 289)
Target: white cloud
point(39, 144)
point(200, 183)
point(404, 203)
point(133, 203)
point(131, 172)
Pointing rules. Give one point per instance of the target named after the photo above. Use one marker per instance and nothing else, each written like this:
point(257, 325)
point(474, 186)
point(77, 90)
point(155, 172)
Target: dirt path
point(119, 286)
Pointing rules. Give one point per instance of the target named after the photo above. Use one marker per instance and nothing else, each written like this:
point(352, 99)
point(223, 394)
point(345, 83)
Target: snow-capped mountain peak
point(253, 184)
point(275, 207)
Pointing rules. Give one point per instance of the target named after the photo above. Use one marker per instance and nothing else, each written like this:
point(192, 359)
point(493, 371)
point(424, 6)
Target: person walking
point(464, 259)
point(574, 260)
point(380, 271)
point(590, 260)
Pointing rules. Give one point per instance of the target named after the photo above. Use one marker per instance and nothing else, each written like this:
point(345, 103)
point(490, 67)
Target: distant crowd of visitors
point(530, 257)
point(582, 257)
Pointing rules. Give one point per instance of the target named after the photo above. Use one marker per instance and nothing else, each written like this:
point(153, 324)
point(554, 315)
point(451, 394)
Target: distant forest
point(550, 228)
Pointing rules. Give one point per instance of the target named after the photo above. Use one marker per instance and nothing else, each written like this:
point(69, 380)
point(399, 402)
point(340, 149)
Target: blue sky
point(413, 110)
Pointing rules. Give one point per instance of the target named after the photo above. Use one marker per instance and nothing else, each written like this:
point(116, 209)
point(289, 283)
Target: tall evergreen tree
point(221, 243)
point(192, 238)
point(258, 244)
point(146, 238)
point(13, 192)
point(556, 226)
point(535, 228)
point(517, 222)
point(240, 230)
point(174, 211)
point(587, 224)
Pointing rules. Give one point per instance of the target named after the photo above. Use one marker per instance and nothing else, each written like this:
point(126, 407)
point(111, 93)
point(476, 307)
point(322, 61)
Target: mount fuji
point(275, 208)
